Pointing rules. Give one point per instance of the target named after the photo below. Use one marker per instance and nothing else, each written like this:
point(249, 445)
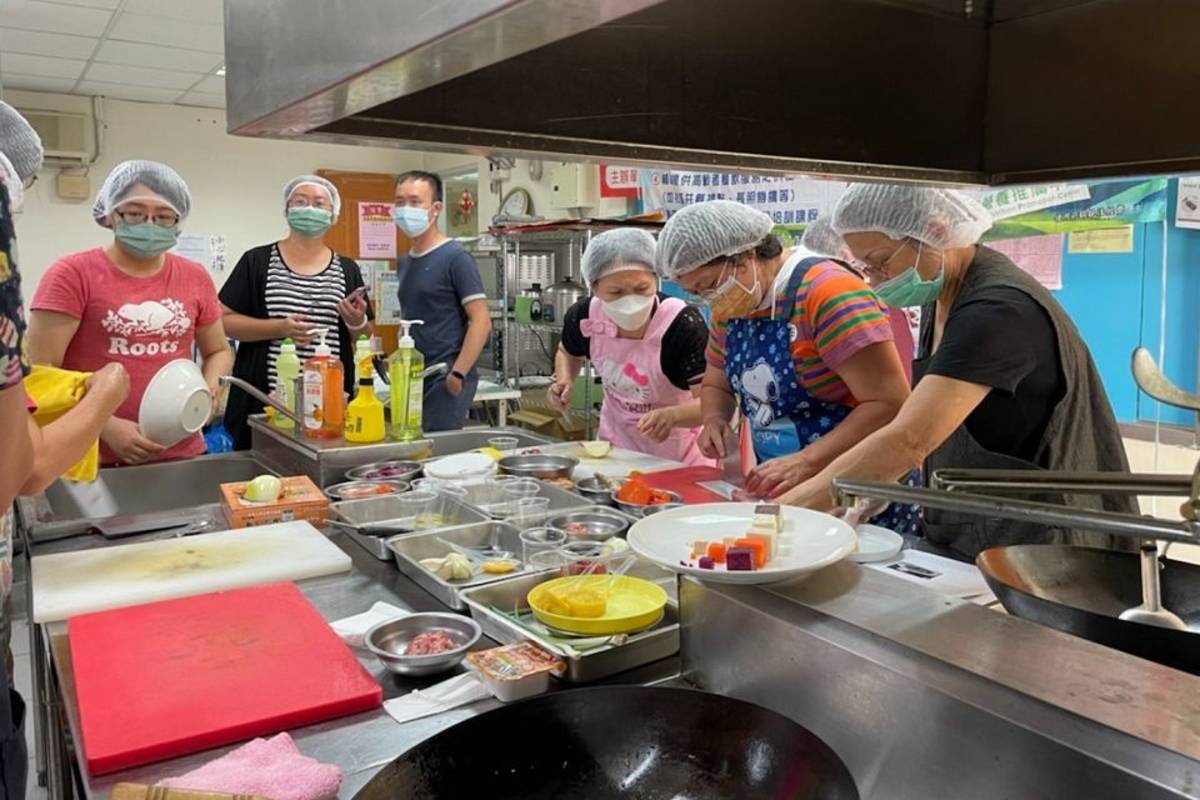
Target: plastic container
point(536, 541)
point(504, 442)
point(519, 488)
point(405, 374)
point(324, 398)
point(287, 370)
point(364, 414)
point(515, 671)
point(528, 511)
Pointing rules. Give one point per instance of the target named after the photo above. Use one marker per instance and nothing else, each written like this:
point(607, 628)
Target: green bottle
point(406, 374)
point(287, 369)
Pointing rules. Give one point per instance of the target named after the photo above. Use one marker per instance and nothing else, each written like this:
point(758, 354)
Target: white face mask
point(629, 312)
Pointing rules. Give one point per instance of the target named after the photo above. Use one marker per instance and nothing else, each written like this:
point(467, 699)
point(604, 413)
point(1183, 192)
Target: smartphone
point(359, 292)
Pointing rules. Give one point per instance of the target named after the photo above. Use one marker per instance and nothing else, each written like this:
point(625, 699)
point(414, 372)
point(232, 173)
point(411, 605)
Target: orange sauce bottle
point(324, 399)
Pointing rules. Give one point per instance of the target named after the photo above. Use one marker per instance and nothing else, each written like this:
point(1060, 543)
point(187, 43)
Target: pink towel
point(273, 768)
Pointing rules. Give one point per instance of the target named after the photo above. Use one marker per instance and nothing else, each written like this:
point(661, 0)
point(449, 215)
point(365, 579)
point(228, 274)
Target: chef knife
point(731, 465)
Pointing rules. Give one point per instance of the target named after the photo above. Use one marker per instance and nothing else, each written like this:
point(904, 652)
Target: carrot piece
point(716, 551)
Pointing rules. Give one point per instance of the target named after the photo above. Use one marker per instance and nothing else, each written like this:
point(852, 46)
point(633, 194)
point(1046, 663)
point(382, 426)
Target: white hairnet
point(158, 178)
point(617, 250)
point(314, 180)
point(937, 217)
point(820, 238)
point(699, 233)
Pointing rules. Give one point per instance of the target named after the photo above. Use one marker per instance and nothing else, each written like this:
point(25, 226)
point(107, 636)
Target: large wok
point(1083, 590)
point(619, 742)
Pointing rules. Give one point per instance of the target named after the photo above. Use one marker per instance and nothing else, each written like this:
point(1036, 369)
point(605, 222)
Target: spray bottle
point(405, 373)
point(364, 414)
point(324, 398)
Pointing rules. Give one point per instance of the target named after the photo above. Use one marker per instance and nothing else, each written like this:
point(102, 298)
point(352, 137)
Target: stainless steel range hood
point(949, 91)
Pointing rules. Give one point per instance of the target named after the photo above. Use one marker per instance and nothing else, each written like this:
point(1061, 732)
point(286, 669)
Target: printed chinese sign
point(618, 181)
point(376, 231)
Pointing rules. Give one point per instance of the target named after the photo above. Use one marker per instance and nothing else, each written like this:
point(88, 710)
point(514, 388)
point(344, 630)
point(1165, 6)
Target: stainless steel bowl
point(538, 466)
point(600, 525)
point(347, 489)
point(386, 471)
point(595, 491)
point(648, 510)
point(639, 510)
point(388, 641)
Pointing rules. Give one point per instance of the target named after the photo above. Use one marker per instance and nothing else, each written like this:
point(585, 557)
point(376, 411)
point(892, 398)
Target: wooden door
point(355, 188)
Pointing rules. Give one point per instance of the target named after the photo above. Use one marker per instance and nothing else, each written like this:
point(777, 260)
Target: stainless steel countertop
point(360, 744)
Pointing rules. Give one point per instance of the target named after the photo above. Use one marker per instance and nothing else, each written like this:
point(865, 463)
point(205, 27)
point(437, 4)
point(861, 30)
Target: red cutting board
point(684, 479)
point(165, 679)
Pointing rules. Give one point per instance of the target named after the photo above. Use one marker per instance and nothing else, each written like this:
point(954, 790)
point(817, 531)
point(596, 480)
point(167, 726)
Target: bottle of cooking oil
point(324, 396)
point(364, 414)
point(405, 370)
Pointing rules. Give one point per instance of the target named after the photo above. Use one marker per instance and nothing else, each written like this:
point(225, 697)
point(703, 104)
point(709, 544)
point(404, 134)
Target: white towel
point(458, 691)
point(354, 629)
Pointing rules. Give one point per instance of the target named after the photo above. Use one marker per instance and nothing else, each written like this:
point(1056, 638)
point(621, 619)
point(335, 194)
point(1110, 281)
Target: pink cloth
point(140, 322)
point(273, 768)
point(634, 383)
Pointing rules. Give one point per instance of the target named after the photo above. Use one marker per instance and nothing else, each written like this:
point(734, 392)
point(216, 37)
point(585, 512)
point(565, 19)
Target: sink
point(171, 493)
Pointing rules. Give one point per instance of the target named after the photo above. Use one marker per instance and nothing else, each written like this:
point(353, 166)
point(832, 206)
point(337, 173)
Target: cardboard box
point(300, 499)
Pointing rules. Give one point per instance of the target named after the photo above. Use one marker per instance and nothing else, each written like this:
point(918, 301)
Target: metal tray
point(659, 642)
point(409, 550)
point(375, 520)
point(560, 499)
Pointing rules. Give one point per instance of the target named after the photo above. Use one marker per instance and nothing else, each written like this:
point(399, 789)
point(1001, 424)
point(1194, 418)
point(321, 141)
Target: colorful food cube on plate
point(716, 551)
point(757, 548)
point(699, 548)
point(739, 559)
point(706, 563)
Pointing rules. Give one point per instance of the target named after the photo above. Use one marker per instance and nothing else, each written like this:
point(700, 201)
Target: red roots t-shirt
point(142, 323)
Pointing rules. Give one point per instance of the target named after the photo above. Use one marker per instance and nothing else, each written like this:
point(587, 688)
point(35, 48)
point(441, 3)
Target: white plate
point(810, 540)
point(876, 544)
point(461, 465)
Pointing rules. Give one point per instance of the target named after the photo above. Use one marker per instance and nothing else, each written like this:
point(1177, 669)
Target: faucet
point(262, 397)
point(433, 369)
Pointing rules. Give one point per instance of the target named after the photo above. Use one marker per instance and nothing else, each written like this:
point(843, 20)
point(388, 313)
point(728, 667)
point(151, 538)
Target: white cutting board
point(67, 584)
point(616, 464)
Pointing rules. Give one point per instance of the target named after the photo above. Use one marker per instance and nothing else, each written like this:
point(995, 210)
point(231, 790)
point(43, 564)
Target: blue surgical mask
point(145, 239)
point(908, 289)
point(412, 220)
point(309, 222)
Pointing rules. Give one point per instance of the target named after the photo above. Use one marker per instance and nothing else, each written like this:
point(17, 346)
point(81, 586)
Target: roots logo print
point(151, 317)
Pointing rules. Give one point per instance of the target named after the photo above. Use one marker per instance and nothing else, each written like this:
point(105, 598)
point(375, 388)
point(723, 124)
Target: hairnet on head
point(937, 217)
point(615, 251)
point(158, 178)
point(699, 233)
point(19, 142)
point(820, 238)
point(318, 181)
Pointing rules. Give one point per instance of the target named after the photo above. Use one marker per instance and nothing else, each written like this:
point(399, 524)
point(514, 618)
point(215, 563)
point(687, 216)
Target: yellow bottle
point(405, 373)
point(364, 414)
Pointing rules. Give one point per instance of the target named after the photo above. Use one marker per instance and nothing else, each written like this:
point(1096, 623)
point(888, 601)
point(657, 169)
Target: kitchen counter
point(360, 744)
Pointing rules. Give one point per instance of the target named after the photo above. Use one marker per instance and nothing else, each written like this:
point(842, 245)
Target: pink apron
point(634, 383)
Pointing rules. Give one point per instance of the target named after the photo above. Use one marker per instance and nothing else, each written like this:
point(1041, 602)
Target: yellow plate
point(633, 604)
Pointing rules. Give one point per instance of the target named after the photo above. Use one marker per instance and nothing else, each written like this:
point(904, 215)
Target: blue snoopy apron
point(784, 418)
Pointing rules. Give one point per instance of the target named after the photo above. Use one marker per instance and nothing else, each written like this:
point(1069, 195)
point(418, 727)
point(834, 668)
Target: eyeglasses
point(709, 292)
point(304, 202)
point(876, 271)
point(165, 219)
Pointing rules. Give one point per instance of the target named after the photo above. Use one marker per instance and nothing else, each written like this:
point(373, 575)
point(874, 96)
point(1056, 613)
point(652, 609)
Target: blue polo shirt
point(436, 286)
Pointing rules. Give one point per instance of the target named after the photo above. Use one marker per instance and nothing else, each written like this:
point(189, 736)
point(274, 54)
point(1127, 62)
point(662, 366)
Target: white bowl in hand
point(176, 403)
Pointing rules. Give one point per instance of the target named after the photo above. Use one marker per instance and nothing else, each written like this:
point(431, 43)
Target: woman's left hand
point(773, 478)
point(657, 424)
point(353, 310)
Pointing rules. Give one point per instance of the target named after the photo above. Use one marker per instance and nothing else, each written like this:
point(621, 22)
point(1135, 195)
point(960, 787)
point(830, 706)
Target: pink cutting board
point(165, 679)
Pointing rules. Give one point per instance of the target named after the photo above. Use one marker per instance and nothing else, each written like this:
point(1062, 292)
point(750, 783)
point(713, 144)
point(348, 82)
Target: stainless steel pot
point(558, 297)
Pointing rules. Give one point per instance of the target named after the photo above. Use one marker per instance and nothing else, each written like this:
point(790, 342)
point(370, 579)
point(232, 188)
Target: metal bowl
point(600, 525)
point(648, 510)
point(348, 490)
point(386, 471)
point(595, 491)
point(538, 466)
point(388, 641)
point(639, 510)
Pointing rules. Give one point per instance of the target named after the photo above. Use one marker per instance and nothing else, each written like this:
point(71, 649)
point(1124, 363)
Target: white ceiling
point(162, 51)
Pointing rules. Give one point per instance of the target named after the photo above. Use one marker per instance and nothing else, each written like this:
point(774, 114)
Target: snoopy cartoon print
point(760, 389)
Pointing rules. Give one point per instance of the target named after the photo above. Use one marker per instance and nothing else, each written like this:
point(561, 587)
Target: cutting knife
point(732, 478)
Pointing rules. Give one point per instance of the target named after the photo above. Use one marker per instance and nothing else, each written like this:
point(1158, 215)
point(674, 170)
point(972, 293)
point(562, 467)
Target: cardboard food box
point(300, 499)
